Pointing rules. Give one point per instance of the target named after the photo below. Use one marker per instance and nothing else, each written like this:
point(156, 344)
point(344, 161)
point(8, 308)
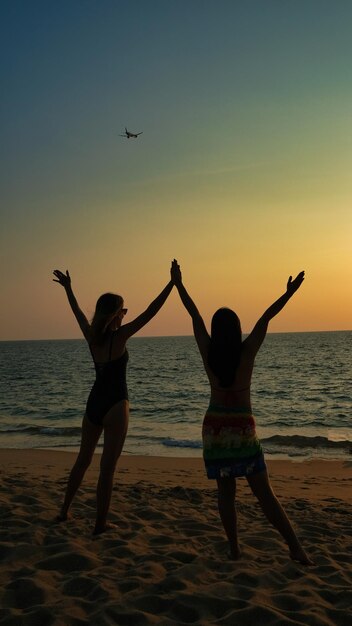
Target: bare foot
point(301, 556)
point(99, 530)
point(235, 553)
point(62, 517)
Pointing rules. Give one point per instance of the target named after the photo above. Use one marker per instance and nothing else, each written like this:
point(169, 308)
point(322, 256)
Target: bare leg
point(272, 509)
point(227, 510)
point(89, 439)
point(115, 430)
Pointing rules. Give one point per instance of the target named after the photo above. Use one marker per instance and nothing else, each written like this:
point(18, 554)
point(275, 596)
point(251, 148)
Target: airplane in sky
point(129, 135)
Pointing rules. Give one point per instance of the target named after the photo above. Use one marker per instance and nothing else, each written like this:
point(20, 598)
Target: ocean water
point(301, 395)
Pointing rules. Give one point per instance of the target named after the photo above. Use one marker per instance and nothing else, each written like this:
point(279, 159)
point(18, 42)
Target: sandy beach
point(167, 563)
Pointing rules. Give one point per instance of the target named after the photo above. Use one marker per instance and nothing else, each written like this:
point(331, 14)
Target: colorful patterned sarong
point(230, 444)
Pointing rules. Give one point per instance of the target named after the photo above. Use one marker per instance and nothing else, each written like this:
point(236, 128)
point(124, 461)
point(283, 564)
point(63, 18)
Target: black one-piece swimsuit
point(110, 386)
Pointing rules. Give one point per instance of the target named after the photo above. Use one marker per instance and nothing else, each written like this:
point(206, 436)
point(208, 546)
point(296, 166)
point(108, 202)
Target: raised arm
point(200, 332)
point(65, 281)
point(256, 337)
point(132, 327)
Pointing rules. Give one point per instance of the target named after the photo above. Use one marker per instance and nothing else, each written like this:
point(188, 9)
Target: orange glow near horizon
point(242, 172)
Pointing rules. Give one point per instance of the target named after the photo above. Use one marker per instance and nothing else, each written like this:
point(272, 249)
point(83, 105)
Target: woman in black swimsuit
point(107, 406)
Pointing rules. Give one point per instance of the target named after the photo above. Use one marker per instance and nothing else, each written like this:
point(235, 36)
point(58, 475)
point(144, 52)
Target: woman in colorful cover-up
point(231, 447)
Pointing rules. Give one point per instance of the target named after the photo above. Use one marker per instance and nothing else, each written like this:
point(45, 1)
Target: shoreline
point(167, 561)
point(316, 454)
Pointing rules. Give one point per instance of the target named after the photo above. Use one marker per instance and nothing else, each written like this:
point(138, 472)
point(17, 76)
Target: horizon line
point(282, 332)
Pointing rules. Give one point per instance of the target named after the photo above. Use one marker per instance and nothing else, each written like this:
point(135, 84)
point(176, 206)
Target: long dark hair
point(225, 345)
point(105, 310)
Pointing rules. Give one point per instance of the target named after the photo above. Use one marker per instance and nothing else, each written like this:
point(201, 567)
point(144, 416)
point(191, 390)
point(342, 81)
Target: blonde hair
point(105, 310)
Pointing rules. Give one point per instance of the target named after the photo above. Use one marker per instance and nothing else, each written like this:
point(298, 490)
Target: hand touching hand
point(293, 285)
point(176, 275)
point(63, 279)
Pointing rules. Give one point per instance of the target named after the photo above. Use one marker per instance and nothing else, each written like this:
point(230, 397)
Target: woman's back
point(236, 395)
point(111, 348)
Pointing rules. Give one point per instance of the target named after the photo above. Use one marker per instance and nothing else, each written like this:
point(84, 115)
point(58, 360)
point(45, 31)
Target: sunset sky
point(243, 170)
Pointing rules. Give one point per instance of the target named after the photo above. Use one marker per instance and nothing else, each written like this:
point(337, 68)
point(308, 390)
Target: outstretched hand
point(176, 275)
point(293, 285)
point(63, 279)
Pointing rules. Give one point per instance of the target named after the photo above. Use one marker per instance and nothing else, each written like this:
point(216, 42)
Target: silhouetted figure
point(107, 406)
point(231, 447)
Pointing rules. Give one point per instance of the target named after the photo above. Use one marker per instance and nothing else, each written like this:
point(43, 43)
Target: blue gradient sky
point(243, 171)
